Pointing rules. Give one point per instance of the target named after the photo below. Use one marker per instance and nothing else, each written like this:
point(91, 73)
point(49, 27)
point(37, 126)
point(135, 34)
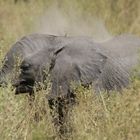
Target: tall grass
point(108, 117)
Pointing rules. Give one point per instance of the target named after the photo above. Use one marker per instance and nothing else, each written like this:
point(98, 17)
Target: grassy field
point(114, 117)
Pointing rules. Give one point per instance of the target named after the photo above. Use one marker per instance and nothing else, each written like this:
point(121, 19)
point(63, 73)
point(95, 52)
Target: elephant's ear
point(83, 65)
point(92, 68)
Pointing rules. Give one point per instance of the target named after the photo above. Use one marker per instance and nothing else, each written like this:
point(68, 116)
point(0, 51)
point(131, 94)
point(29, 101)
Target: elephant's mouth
point(23, 89)
point(23, 86)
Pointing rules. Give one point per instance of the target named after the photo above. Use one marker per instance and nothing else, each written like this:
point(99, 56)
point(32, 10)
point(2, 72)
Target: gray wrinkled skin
point(23, 48)
point(26, 47)
point(106, 65)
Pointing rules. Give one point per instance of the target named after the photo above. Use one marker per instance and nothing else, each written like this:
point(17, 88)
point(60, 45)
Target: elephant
point(106, 66)
point(25, 47)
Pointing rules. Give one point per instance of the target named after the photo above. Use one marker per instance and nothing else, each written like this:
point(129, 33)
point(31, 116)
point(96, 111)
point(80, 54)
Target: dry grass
point(102, 117)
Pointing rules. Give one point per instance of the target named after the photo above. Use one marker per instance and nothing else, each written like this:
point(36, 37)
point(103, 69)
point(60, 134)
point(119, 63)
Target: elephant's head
point(34, 70)
point(26, 79)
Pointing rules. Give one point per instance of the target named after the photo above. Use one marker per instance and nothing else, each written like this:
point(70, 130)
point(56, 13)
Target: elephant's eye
point(25, 66)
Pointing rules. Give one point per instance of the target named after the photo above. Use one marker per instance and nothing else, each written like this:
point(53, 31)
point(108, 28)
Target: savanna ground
point(104, 117)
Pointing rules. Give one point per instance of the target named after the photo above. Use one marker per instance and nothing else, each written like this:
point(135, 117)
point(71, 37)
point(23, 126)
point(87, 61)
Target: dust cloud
point(56, 22)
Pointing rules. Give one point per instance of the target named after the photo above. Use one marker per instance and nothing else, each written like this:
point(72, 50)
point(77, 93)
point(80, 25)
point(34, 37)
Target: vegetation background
point(103, 117)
